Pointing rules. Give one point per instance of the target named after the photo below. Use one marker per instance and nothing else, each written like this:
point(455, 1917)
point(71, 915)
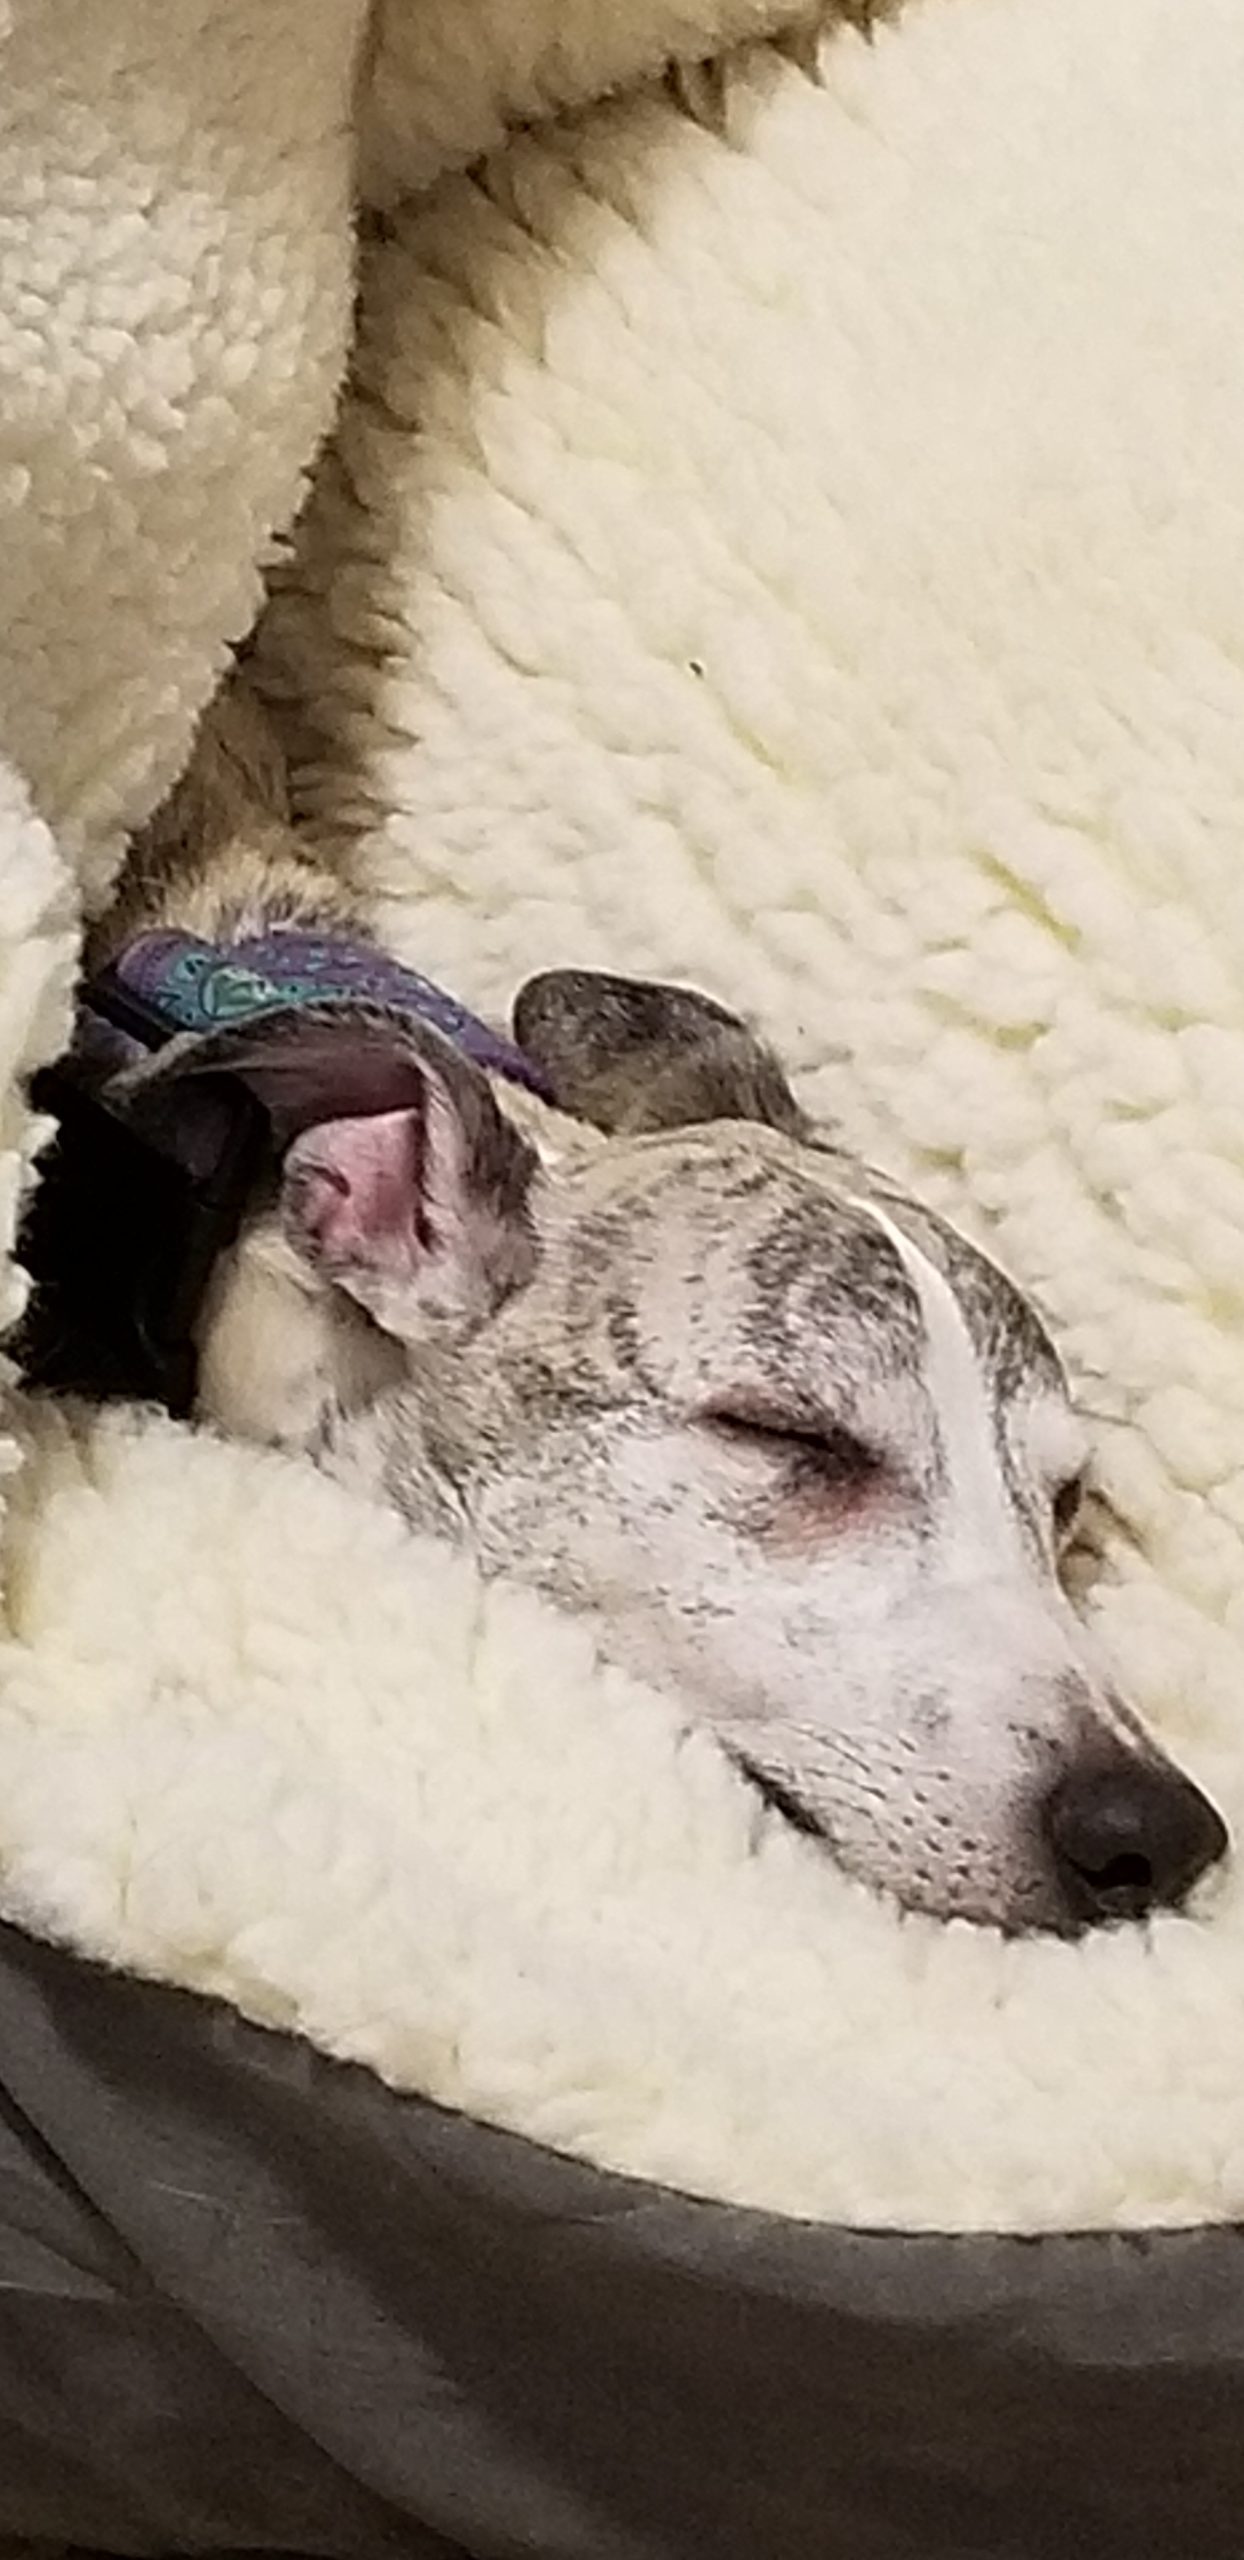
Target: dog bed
point(779, 531)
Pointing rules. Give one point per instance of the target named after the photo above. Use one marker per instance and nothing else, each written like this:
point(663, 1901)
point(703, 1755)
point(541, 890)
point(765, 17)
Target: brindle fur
point(788, 1439)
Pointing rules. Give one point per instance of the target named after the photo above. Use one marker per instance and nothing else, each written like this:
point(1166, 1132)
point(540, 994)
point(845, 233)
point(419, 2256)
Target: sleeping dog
point(604, 1309)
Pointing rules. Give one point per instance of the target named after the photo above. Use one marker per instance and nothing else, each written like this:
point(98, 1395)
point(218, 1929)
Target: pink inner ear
point(353, 1191)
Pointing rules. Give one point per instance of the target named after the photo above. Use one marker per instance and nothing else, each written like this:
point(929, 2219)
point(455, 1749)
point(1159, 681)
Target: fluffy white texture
point(806, 562)
point(176, 263)
point(447, 79)
point(414, 1821)
point(813, 573)
point(805, 559)
point(38, 956)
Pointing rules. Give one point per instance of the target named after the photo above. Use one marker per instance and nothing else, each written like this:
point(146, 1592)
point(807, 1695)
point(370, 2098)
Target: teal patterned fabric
point(201, 987)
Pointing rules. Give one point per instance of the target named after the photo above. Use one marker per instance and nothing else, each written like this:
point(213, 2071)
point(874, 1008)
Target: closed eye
point(832, 1451)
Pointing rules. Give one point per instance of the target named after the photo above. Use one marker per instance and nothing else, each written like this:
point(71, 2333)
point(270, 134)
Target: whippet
point(603, 1308)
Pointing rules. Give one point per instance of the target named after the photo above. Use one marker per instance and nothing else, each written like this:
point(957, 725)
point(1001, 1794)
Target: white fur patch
point(980, 1520)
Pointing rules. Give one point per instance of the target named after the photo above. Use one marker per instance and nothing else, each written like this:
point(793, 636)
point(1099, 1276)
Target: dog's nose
point(1128, 1837)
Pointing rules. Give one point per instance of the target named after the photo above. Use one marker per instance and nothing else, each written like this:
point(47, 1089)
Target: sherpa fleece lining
point(795, 548)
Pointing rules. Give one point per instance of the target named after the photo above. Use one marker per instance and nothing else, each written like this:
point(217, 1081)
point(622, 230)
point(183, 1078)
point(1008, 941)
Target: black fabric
point(121, 1237)
point(250, 2300)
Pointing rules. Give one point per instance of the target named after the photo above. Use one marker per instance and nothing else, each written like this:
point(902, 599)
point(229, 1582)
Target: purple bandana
point(200, 986)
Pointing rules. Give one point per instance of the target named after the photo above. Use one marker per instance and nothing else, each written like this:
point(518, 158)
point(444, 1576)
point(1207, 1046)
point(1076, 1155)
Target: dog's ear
point(418, 1213)
point(630, 1055)
point(400, 1180)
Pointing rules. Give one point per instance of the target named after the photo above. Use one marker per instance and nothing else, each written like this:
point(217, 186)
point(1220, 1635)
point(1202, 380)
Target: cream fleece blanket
point(794, 545)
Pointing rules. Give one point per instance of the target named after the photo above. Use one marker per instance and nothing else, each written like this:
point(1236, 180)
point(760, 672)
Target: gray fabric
point(251, 2300)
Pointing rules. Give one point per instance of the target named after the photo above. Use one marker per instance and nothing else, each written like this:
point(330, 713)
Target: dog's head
point(805, 1455)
